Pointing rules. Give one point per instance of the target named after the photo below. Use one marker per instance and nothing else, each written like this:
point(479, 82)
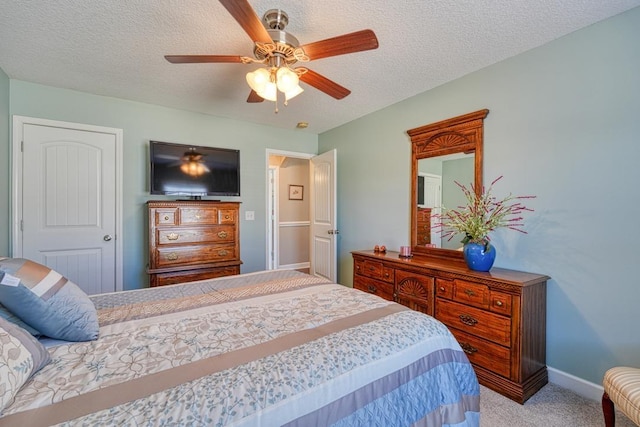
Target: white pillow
point(21, 356)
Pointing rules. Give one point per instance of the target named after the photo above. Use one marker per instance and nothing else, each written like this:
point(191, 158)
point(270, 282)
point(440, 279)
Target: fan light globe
point(258, 79)
point(287, 79)
point(268, 92)
point(297, 90)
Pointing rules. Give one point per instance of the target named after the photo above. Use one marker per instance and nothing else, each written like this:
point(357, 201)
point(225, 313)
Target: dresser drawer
point(500, 302)
point(375, 270)
point(166, 216)
point(191, 255)
point(194, 215)
point(475, 294)
point(182, 235)
point(484, 324)
point(484, 353)
point(227, 216)
point(444, 288)
point(171, 278)
point(375, 287)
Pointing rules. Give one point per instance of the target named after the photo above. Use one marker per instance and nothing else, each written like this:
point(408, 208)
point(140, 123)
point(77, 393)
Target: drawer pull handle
point(166, 217)
point(172, 256)
point(441, 288)
point(386, 274)
point(372, 289)
point(227, 217)
point(173, 236)
point(499, 303)
point(468, 348)
point(223, 253)
point(222, 234)
point(469, 292)
point(468, 320)
point(358, 267)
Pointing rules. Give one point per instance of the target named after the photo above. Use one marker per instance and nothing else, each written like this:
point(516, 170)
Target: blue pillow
point(6, 314)
point(47, 301)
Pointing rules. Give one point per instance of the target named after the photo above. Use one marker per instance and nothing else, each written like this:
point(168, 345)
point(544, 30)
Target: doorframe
point(268, 189)
point(16, 183)
point(272, 218)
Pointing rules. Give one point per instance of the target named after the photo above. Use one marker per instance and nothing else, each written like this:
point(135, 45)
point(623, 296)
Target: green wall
point(4, 164)
point(142, 122)
point(564, 125)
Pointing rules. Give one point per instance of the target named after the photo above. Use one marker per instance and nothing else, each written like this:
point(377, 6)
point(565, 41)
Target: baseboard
point(579, 386)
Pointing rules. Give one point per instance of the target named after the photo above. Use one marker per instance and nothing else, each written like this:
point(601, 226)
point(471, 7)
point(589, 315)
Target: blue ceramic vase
point(479, 257)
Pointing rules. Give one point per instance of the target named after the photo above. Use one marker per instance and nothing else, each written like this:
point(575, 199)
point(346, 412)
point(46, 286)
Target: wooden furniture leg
point(608, 411)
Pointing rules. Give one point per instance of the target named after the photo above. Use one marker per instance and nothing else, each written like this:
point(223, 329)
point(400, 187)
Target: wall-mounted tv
point(194, 171)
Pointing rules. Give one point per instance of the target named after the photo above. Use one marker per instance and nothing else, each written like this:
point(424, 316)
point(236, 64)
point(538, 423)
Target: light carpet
point(552, 406)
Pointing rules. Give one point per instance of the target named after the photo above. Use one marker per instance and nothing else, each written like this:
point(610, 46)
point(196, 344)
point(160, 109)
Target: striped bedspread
point(262, 349)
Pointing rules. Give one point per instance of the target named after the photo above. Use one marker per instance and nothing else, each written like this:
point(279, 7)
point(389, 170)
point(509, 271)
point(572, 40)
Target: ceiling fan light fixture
point(192, 164)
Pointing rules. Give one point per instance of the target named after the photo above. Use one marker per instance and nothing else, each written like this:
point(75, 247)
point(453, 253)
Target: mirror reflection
point(437, 188)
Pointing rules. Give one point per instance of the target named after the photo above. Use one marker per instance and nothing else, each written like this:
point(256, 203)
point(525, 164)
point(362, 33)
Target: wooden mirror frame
point(462, 134)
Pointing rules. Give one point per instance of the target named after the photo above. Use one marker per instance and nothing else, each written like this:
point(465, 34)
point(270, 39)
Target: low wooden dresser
point(192, 240)
point(498, 317)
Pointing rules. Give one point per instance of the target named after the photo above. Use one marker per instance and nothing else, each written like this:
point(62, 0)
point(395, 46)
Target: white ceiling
point(116, 48)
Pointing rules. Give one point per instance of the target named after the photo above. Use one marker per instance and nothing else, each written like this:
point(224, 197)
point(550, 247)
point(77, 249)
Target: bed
point(275, 348)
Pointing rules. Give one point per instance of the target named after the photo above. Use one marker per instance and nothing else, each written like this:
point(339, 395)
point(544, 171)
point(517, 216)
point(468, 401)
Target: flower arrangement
point(482, 214)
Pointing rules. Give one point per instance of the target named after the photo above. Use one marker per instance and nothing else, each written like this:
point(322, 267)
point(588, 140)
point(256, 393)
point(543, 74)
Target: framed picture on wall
point(295, 192)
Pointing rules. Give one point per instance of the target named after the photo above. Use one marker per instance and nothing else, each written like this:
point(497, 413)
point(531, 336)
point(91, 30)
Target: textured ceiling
point(116, 48)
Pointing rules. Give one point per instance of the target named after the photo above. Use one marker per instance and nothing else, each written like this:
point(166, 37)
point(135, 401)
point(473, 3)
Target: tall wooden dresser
point(498, 317)
point(423, 226)
point(192, 240)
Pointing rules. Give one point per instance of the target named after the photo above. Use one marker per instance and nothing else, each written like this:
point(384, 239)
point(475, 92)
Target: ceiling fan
point(278, 51)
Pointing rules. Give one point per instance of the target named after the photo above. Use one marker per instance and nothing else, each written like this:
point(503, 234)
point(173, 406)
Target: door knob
point(107, 237)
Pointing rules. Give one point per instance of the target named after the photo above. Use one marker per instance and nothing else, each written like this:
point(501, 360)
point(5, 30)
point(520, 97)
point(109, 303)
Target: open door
point(324, 231)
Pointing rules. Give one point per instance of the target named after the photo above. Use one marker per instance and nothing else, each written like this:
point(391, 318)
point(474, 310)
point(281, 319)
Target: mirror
point(442, 153)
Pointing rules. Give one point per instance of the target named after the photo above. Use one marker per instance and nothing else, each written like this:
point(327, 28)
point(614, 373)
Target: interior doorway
point(288, 210)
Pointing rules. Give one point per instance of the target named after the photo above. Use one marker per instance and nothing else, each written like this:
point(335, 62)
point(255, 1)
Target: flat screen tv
point(193, 171)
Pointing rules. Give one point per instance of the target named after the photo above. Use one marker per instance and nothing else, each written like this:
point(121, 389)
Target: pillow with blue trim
point(47, 301)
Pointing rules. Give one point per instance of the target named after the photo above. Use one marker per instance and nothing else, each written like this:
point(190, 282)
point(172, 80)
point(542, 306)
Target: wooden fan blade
point(340, 45)
point(322, 83)
point(242, 12)
point(254, 97)
point(196, 59)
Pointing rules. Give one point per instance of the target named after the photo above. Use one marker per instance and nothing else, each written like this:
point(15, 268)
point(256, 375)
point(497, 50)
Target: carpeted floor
point(552, 406)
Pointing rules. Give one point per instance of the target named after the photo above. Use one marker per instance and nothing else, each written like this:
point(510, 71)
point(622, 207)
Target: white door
point(66, 200)
point(323, 216)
